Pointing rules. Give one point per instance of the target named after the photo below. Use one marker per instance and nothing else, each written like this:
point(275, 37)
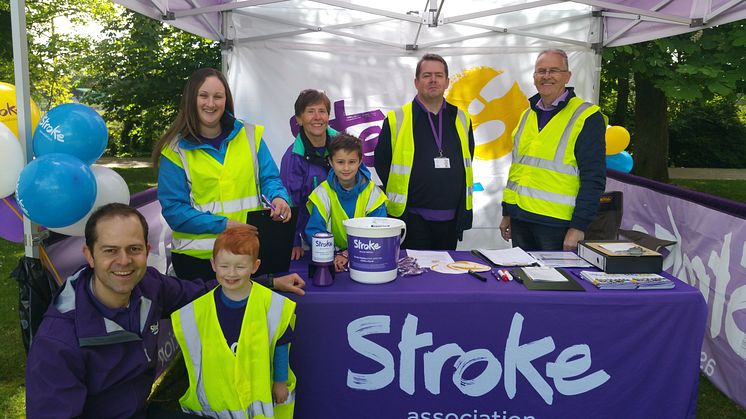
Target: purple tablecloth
point(440, 346)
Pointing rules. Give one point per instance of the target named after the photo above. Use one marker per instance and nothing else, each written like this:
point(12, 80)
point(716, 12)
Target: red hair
point(241, 240)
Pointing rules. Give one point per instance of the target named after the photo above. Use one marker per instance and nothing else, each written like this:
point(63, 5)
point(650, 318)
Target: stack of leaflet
point(605, 281)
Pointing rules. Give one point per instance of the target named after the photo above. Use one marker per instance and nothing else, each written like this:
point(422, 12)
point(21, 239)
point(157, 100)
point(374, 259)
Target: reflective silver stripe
point(396, 198)
point(192, 244)
point(461, 117)
point(399, 114)
point(469, 190)
point(274, 314)
point(258, 407)
point(229, 206)
point(467, 162)
point(559, 155)
point(145, 304)
point(374, 194)
point(559, 167)
point(194, 346)
point(185, 166)
point(401, 169)
point(539, 194)
point(250, 133)
point(518, 134)
point(326, 201)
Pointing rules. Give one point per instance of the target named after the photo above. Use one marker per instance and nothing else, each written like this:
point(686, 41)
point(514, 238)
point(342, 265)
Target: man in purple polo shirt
point(559, 169)
point(95, 352)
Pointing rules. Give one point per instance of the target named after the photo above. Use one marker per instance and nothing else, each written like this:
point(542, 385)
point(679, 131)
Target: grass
point(711, 402)
point(731, 189)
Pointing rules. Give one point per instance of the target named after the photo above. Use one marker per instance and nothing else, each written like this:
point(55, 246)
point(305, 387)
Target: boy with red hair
point(235, 339)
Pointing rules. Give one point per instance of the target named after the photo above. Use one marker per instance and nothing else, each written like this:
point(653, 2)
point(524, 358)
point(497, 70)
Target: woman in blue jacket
point(212, 170)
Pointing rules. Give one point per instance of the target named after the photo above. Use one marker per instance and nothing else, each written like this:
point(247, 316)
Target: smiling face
point(551, 76)
point(119, 259)
point(234, 273)
point(432, 82)
point(211, 98)
point(315, 121)
point(345, 164)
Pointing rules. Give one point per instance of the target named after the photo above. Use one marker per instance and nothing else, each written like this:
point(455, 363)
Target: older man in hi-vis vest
point(559, 169)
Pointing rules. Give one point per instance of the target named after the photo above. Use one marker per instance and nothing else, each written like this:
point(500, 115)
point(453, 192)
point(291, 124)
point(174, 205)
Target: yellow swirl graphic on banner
point(468, 86)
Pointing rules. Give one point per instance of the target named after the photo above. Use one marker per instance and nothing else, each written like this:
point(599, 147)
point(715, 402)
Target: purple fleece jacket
point(84, 365)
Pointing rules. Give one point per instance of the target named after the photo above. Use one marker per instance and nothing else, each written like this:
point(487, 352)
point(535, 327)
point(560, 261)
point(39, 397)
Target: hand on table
point(572, 237)
point(340, 261)
point(289, 283)
point(297, 253)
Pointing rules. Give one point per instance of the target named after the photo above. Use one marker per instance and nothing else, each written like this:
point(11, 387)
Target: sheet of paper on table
point(428, 258)
point(560, 259)
point(514, 256)
point(618, 247)
point(544, 274)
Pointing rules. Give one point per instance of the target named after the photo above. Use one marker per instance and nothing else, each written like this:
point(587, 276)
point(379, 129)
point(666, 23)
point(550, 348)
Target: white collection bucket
point(373, 248)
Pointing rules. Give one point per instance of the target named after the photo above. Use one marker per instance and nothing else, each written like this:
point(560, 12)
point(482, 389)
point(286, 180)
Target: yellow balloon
point(9, 112)
point(617, 139)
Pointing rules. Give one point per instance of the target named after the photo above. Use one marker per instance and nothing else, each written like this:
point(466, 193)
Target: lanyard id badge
point(442, 162)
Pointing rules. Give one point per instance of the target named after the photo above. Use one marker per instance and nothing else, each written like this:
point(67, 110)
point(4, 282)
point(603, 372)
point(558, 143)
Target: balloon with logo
point(11, 161)
point(617, 139)
point(621, 161)
point(56, 190)
point(9, 110)
point(110, 187)
point(74, 129)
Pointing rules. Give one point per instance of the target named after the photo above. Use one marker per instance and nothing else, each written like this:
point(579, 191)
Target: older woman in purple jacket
point(305, 164)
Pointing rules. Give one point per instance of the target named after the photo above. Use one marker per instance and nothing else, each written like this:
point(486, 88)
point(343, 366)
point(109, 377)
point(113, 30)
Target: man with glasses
point(559, 169)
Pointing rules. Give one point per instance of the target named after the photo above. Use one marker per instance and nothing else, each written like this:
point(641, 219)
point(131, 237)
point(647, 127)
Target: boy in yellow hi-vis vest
point(347, 192)
point(235, 339)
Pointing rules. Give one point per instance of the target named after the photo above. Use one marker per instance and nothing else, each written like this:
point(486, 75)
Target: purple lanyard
point(439, 134)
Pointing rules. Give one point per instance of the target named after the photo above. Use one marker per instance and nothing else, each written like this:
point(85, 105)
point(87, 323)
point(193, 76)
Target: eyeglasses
point(549, 71)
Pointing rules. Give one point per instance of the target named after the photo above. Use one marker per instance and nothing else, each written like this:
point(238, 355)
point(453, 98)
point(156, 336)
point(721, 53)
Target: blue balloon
point(56, 190)
point(74, 129)
point(621, 161)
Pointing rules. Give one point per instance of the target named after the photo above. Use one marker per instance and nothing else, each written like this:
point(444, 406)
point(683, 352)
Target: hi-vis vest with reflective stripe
point(543, 178)
point(402, 149)
point(230, 189)
point(224, 385)
point(326, 201)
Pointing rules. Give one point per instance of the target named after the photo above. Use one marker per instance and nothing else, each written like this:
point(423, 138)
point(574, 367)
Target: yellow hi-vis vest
point(230, 189)
point(543, 177)
point(325, 199)
point(224, 385)
point(402, 149)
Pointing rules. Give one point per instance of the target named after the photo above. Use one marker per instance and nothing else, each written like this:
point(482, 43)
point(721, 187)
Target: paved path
point(129, 163)
point(704, 173)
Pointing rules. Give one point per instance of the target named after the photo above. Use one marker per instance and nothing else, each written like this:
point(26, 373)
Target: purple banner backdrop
point(710, 254)
point(441, 346)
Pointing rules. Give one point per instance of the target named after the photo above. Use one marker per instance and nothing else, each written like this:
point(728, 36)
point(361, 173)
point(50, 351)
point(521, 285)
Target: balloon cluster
point(617, 139)
point(60, 189)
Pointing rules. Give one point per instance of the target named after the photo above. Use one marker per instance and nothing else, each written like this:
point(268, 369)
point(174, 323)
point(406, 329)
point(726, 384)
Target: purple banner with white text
point(709, 254)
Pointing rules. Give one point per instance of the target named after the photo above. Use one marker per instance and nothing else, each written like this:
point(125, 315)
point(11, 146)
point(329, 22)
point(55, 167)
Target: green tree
point(137, 76)
point(682, 69)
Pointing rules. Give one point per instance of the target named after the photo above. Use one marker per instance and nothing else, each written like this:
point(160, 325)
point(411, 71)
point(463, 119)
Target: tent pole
point(597, 46)
point(23, 107)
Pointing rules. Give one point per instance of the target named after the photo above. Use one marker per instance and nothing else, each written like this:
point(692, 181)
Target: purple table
point(440, 346)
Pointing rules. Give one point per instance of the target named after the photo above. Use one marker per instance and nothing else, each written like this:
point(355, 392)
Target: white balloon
point(110, 187)
point(11, 161)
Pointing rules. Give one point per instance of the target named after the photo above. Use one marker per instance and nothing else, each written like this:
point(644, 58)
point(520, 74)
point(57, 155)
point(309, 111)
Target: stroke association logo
point(495, 104)
point(370, 245)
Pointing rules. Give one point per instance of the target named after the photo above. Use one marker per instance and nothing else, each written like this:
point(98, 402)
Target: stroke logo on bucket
point(370, 245)
point(53, 132)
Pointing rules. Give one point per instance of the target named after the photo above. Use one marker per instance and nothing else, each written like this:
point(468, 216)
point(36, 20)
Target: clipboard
point(275, 241)
point(570, 285)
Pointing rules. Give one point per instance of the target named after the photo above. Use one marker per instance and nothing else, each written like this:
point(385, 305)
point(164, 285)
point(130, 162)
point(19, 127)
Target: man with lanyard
point(423, 158)
point(559, 169)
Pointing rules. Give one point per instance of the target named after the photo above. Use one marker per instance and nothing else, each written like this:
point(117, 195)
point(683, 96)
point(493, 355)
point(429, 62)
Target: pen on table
point(516, 277)
point(272, 207)
point(476, 275)
point(495, 274)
